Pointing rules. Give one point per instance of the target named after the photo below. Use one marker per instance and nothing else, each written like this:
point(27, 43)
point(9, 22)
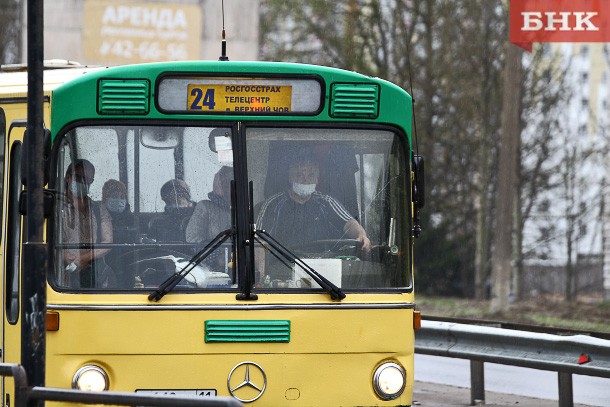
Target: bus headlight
point(389, 380)
point(90, 378)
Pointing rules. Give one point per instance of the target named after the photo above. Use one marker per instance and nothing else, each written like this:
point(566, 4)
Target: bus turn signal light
point(52, 321)
point(416, 319)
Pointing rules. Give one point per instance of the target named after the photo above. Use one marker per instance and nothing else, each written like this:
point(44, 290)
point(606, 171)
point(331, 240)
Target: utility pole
point(502, 258)
point(351, 20)
point(34, 281)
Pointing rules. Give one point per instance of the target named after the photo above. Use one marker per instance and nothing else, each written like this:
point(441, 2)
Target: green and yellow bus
point(221, 228)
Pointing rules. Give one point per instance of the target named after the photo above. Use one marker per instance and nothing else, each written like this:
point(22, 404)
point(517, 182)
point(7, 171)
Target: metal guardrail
point(566, 355)
point(520, 326)
point(23, 394)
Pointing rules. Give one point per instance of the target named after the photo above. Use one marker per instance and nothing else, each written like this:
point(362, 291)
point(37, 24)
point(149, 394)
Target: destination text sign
point(239, 98)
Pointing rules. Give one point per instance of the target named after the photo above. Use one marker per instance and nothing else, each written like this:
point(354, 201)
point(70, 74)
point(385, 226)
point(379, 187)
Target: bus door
point(2, 173)
point(11, 253)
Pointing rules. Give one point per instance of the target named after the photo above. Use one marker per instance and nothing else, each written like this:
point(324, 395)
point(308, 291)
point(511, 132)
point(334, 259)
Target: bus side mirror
point(419, 186)
point(46, 156)
point(219, 139)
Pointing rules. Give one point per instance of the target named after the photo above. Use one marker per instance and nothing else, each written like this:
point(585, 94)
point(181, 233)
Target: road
point(501, 381)
point(439, 395)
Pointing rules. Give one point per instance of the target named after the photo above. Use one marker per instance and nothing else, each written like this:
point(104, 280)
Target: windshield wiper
point(334, 291)
point(176, 278)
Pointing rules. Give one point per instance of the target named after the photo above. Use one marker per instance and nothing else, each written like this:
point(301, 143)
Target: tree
point(437, 48)
point(502, 257)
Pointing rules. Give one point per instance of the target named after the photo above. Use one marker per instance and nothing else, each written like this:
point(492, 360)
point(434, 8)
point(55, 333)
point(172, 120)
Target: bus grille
point(354, 100)
point(117, 96)
point(247, 331)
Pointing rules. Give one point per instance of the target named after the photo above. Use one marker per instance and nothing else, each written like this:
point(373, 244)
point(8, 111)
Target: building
point(114, 32)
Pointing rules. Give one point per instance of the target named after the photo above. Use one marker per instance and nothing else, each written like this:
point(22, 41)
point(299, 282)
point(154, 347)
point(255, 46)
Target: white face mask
point(303, 190)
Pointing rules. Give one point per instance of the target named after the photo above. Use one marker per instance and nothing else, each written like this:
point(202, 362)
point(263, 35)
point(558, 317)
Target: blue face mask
point(78, 188)
point(116, 205)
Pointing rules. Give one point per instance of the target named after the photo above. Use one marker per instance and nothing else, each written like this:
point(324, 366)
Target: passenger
point(177, 197)
point(114, 198)
point(212, 216)
point(301, 214)
point(178, 209)
point(84, 221)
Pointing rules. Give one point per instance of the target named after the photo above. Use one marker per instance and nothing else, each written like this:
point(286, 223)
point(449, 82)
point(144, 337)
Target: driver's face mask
point(303, 190)
point(304, 178)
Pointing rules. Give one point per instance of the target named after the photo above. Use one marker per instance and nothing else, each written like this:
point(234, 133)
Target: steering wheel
point(146, 266)
point(331, 247)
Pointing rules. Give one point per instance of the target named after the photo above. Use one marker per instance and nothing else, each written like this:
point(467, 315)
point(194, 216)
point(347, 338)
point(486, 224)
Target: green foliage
point(438, 263)
point(545, 311)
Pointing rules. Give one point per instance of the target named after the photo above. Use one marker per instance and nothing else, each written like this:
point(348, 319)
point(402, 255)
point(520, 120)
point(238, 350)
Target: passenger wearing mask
point(114, 198)
point(177, 197)
point(84, 221)
point(178, 210)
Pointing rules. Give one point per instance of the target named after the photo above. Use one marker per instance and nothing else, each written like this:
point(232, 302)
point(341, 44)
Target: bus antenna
point(223, 46)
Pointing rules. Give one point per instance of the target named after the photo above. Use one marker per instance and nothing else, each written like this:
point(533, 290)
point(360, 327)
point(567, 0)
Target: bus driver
point(302, 214)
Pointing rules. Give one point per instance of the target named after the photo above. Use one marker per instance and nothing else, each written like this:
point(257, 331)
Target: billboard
point(122, 32)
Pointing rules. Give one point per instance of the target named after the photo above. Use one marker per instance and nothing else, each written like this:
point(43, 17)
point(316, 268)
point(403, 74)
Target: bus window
point(13, 247)
point(336, 198)
point(132, 214)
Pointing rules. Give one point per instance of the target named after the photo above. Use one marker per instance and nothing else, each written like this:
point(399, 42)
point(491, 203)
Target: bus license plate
point(182, 393)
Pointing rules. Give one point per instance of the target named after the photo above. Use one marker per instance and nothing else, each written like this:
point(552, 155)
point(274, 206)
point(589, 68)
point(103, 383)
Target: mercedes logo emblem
point(247, 382)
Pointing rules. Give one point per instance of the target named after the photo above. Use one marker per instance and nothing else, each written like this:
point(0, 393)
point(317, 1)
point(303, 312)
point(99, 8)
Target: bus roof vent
point(354, 100)
point(118, 96)
point(247, 331)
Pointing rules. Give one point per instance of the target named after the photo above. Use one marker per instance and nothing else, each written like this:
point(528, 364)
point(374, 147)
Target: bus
point(221, 228)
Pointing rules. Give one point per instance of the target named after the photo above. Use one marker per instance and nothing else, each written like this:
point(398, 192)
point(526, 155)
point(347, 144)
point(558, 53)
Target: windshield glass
point(134, 204)
point(337, 199)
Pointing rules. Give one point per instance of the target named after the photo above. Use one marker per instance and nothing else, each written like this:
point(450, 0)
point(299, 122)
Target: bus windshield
point(135, 203)
point(334, 198)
